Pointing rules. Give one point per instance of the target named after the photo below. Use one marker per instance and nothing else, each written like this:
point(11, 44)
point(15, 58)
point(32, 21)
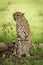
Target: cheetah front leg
point(19, 50)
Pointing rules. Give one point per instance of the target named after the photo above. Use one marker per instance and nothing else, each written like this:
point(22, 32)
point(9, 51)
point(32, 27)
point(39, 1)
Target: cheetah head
point(17, 16)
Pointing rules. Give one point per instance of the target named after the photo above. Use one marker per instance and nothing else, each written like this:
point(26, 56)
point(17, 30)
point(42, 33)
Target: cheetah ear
point(22, 14)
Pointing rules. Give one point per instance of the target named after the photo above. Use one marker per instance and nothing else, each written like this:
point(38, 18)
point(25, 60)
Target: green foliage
point(36, 52)
point(8, 62)
point(24, 61)
point(7, 34)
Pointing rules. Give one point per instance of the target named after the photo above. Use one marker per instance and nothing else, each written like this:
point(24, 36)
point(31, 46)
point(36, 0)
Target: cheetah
point(23, 32)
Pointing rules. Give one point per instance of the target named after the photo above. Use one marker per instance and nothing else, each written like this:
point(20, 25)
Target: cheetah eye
point(17, 15)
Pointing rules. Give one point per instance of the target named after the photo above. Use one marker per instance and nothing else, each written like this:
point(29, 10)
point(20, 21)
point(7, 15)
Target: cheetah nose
point(14, 18)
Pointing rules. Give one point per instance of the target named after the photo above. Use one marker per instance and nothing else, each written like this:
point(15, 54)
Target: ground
point(35, 59)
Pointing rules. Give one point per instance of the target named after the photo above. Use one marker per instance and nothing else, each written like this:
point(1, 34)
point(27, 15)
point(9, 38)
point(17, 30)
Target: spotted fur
point(23, 32)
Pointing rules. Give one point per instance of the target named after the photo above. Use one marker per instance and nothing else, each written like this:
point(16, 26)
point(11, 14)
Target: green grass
point(25, 62)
